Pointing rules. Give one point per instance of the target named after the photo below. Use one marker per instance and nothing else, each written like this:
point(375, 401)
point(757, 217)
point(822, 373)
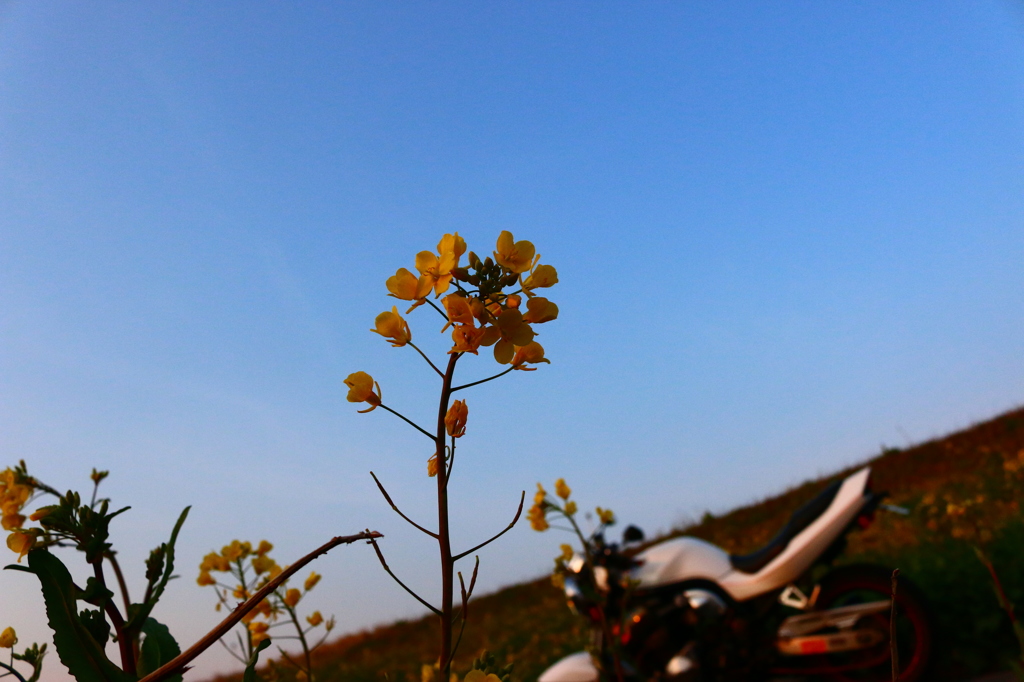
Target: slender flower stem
point(408, 421)
point(120, 581)
point(439, 311)
point(519, 512)
point(11, 671)
point(424, 356)
point(305, 645)
point(483, 381)
point(405, 587)
point(443, 532)
point(178, 664)
point(399, 511)
point(123, 643)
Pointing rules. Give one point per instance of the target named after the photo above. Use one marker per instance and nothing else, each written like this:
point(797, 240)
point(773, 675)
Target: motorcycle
point(685, 610)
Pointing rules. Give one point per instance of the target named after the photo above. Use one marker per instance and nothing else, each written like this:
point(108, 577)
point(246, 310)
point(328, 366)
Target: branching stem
point(408, 421)
point(483, 381)
point(178, 664)
point(399, 511)
point(519, 512)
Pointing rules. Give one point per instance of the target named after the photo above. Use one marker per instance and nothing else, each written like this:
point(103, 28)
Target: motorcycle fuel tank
point(680, 559)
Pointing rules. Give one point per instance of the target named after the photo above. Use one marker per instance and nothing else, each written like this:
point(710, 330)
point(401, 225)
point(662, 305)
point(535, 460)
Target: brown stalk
point(443, 535)
point(893, 650)
point(178, 664)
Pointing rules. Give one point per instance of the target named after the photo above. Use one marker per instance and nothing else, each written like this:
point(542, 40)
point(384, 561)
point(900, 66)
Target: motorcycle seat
point(801, 518)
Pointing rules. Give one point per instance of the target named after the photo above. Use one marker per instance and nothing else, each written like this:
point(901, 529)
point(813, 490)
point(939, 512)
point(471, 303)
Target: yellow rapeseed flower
point(432, 466)
point(261, 563)
point(312, 580)
point(562, 490)
point(542, 276)
point(12, 521)
point(516, 256)
point(391, 326)
point(606, 516)
point(21, 542)
point(467, 339)
point(480, 676)
point(258, 631)
point(567, 552)
point(406, 286)
point(459, 310)
point(538, 520)
point(532, 352)
point(437, 271)
point(8, 638)
point(539, 310)
point(570, 508)
point(315, 619)
point(514, 331)
point(540, 495)
point(205, 579)
point(263, 548)
point(360, 385)
point(455, 419)
point(292, 597)
point(236, 550)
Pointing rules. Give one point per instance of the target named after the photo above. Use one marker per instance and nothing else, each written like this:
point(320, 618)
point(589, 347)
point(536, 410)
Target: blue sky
point(786, 234)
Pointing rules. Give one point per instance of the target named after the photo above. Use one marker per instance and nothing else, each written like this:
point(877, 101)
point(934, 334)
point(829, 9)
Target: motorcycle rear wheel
point(860, 583)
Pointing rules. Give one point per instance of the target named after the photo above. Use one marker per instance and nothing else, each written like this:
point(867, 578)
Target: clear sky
point(786, 233)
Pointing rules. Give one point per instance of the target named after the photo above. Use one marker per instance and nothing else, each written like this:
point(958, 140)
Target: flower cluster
point(480, 312)
point(248, 571)
point(16, 489)
point(543, 505)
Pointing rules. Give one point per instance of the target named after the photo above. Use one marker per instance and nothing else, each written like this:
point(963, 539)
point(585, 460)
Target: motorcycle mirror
point(632, 534)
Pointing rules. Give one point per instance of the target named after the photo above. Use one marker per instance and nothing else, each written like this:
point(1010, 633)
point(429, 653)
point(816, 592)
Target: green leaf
point(76, 648)
point(250, 669)
point(157, 649)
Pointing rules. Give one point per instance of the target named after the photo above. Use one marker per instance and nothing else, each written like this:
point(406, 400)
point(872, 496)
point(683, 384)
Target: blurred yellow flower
point(606, 516)
point(455, 419)
point(214, 562)
point(360, 385)
point(258, 631)
point(205, 579)
point(263, 548)
point(432, 466)
point(236, 550)
point(8, 638)
point(41, 513)
point(562, 490)
point(21, 542)
point(12, 521)
point(262, 563)
point(570, 508)
point(391, 326)
point(329, 624)
point(292, 597)
point(311, 581)
point(567, 552)
point(540, 495)
point(540, 310)
point(538, 520)
point(516, 256)
point(480, 676)
point(315, 619)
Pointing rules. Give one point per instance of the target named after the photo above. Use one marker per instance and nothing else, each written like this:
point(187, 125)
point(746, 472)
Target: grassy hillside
point(980, 469)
